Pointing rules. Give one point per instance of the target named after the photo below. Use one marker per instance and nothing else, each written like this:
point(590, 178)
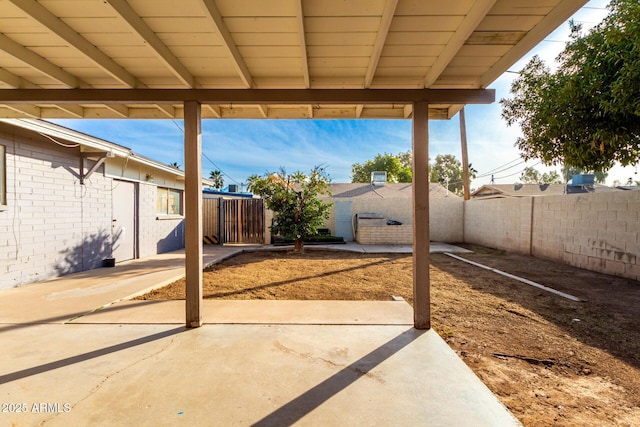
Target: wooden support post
point(193, 212)
point(465, 156)
point(421, 286)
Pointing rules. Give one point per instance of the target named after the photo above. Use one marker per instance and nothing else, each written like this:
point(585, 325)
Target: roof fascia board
point(55, 131)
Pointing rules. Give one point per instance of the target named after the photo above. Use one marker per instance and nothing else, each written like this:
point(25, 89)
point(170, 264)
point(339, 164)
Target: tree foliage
point(398, 168)
point(298, 212)
point(216, 177)
point(447, 168)
point(532, 176)
point(586, 114)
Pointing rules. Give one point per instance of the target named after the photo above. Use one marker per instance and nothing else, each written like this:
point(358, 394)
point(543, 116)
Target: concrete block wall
point(385, 235)
point(52, 224)
point(499, 223)
point(446, 219)
point(598, 231)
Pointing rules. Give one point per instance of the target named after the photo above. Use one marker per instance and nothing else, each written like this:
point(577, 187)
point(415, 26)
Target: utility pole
point(465, 156)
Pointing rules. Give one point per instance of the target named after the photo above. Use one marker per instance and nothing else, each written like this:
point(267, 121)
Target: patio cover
point(266, 59)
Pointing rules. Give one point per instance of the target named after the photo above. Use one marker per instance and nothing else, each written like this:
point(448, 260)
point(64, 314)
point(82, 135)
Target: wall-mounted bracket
point(102, 156)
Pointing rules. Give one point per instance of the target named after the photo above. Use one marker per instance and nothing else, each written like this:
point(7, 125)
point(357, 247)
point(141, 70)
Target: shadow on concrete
point(297, 279)
point(36, 370)
point(88, 254)
point(302, 405)
point(65, 318)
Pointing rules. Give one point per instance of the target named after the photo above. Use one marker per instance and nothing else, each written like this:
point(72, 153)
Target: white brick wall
point(53, 225)
point(157, 235)
point(385, 235)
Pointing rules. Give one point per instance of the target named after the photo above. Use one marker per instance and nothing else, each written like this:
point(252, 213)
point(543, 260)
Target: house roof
point(64, 58)
point(387, 191)
point(91, 144)
point(533, 190)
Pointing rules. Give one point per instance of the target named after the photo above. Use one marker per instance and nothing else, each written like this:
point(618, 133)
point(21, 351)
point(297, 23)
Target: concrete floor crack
point(104, 380)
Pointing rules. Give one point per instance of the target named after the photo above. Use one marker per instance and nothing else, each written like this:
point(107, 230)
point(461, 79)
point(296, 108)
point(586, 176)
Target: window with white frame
point(3, 176)
point(169, 201)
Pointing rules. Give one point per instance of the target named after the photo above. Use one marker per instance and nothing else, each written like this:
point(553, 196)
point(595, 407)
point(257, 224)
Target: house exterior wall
point(598, 232)
point(157, 233)
point(53, 226)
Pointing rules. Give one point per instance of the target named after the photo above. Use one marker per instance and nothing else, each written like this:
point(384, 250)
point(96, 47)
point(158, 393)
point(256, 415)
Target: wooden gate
point(243, 221)
point(211, 230)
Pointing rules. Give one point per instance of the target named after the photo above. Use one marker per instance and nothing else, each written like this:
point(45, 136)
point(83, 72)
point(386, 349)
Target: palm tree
point(218, 180)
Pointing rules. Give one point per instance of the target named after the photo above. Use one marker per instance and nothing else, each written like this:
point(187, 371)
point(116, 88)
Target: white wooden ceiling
point(263, 44)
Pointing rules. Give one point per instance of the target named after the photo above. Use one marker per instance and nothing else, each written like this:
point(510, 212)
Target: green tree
point(298, 212)
point(531, 176)
point(447, 168)
point(398, 168)
point(586, 114)
point(216, 177)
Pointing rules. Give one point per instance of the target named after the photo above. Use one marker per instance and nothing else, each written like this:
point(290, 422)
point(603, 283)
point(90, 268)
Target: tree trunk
point(298, 245)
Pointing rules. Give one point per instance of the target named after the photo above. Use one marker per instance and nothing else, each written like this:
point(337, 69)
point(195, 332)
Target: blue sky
point(241, 148)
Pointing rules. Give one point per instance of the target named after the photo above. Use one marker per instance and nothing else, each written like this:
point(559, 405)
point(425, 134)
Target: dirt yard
point(552, 361)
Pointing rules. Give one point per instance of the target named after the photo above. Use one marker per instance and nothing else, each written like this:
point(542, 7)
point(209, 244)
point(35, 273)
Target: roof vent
point(233, 188)
point(379, 178)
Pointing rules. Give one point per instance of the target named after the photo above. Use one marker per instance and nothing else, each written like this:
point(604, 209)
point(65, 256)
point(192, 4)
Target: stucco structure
point(393, 201)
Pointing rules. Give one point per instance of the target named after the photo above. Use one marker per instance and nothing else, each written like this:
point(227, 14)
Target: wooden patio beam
point(247, 96)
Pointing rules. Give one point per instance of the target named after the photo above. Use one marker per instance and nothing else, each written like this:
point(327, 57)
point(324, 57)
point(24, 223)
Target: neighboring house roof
point(534, 190)
point(231, 194)
point(389, 191)
point(92, 144)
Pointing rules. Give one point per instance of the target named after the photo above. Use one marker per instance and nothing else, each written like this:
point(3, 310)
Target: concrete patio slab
point(239, 375)
point(76, 353)
point(58, 300)
point(257, 312)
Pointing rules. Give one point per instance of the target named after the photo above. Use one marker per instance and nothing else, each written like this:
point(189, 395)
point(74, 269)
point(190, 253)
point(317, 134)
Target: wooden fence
point(243, 221)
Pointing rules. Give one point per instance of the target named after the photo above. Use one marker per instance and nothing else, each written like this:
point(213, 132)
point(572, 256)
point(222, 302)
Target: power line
point(507, 176)
point(218, 167)
point(207, 157)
